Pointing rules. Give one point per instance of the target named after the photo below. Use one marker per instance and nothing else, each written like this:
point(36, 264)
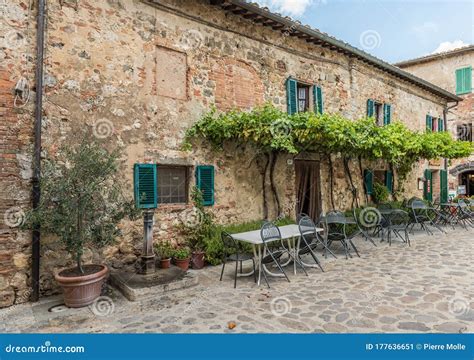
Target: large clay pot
point(165, 263)
point(82, 290)
point(182, 263)
point(197, 260)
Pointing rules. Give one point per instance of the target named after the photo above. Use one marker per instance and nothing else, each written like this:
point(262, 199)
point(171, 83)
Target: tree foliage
point(81, 197)
point(272, 130)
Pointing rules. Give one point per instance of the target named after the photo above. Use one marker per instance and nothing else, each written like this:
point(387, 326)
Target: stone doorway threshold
point(136, 287)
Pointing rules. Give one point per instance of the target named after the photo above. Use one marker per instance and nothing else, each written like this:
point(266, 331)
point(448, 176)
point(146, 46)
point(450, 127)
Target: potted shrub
point(198, 230)
point(181, 258)
point(82, 203)
point(165, 252)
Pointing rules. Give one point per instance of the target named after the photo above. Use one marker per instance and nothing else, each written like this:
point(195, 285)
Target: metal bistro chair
point(272, 254)
point(233, 252)
point(419, 215)
point(335, 222)
point(465, 214)
point(398, 222)
point(310, 240)
point(365, 230)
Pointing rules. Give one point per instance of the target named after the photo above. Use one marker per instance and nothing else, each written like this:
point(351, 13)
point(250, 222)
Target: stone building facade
point(441, 69)
point(138, 74)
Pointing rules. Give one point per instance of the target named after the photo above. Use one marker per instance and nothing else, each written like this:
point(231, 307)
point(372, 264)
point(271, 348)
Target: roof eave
point(293, 28)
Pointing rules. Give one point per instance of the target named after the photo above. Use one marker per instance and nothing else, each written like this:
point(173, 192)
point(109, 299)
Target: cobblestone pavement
point(427, 287)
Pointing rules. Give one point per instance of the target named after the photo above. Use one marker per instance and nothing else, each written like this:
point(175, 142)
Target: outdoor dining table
point(291, 233)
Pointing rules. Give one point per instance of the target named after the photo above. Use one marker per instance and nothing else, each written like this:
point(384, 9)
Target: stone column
point(147, 264)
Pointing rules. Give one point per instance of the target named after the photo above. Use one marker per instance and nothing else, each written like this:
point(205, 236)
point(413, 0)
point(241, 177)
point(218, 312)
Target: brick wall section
point(13, 283)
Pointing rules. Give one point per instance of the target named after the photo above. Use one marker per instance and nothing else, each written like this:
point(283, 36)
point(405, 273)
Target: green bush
point(381, 193)
point(215, 249)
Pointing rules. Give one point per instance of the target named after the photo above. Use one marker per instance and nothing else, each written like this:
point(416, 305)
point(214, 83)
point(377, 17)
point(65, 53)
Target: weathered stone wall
point(441, 71)
point(107, 68)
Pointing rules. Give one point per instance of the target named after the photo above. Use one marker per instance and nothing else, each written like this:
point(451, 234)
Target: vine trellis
point(273, 132)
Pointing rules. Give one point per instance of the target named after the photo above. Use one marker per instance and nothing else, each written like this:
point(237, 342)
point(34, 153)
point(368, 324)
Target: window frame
point(307, 91)
point(467, 135)
point(463, 90)
point(187, 174)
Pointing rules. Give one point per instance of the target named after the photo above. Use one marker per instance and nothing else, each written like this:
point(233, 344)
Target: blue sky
point(392, 30)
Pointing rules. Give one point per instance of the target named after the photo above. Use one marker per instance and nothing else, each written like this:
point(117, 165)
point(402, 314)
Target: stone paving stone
point(427, 287)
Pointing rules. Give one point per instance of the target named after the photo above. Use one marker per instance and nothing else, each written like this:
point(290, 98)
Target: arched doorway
point(467, 179)
point(465, 174)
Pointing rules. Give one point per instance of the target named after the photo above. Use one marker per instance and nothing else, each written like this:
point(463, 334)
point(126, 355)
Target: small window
point(303, 97)
point(172, 184)
point(434, 125)
point(464, 132)
point(378, 113)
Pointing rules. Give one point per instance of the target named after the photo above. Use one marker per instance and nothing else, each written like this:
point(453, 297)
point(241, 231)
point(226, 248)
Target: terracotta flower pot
point(182, 263)
point(197, 260)
point(165, 263)
point(82, 290)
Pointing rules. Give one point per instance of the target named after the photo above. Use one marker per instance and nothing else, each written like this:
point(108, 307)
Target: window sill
point(173, 207)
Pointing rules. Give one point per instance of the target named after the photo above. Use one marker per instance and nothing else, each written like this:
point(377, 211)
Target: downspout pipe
point(445, 121)
point(36, 191)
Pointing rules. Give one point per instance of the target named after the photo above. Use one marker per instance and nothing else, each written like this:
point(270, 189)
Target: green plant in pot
point(82, 203)
point(165, 251)
point(197, 227)
point(182, 257)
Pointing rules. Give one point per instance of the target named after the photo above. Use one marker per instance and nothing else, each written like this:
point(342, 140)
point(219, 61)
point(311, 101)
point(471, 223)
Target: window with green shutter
point(145, 186)
point(387, 114)
point(389, 180)
point(318, 99)
point(429, 123)
point(428, 187)
point(440, 125)
point(370, 108)
point(369, 181)
point(443, 182)
point(464, 80)
point(205, 183)
point(292, 96)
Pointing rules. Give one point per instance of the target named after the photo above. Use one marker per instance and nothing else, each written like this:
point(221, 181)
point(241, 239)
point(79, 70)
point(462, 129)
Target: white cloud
point(449, 45)
point(289, 7)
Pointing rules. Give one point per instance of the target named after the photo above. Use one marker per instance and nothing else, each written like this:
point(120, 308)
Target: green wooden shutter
point(464, 80)
point(292, 96)
point(389, 181)
point(429, 123)
point(443, 181)
point(387, 114)
point(440, 125)
point(145, 186)
point(369, 181)
point(205, 183)
point(428, 188)
point(370, 108)
point(318, 99)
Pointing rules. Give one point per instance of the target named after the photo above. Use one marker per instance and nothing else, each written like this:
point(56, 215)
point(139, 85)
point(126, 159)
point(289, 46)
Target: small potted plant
point(165, 252)
point(82, 204)
point(181, 257)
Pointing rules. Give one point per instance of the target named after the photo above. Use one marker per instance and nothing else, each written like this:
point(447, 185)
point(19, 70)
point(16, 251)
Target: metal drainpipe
point(35, 273)
point(445, 121)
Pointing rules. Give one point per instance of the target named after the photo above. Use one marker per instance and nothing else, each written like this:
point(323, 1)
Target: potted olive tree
point(82, 203)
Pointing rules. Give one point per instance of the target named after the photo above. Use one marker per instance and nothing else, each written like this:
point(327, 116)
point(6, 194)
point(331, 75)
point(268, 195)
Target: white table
point(291, 233)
